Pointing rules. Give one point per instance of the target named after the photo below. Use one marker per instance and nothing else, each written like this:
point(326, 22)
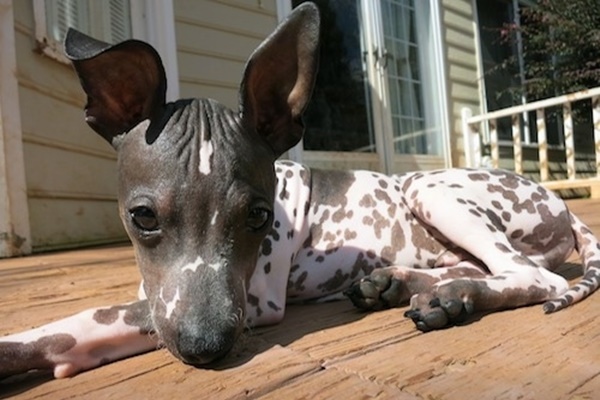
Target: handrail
point(554, 101)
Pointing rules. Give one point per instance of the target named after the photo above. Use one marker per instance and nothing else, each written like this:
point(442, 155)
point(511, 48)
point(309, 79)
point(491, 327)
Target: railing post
point(542, 143)
point(471, 140)
point(494, 146)
point(595, 189)
point(517, 147)
point(569, 141)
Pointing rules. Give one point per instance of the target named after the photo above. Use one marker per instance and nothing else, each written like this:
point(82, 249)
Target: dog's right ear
point(125, 83)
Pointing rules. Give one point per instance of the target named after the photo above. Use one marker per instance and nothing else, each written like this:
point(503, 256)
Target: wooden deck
point(320, 351)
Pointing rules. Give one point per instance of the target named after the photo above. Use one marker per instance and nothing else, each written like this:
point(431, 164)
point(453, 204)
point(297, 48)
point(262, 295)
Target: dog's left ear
point(279, 79)
point(125, 83)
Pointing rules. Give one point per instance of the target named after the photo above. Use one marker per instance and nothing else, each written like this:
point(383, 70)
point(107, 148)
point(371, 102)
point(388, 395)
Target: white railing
point(473, 126)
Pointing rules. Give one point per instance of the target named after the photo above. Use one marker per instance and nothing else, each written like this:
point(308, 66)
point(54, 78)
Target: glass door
point(377, 101)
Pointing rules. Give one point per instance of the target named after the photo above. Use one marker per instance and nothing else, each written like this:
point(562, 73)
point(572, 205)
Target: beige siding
point(214, 40)
point(458, 34)
point(70, 171)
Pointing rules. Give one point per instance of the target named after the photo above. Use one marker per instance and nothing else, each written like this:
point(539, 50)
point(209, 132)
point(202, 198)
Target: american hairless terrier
point(225, 235)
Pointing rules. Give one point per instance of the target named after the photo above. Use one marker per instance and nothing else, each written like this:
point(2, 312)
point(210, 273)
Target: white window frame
point(152, 21)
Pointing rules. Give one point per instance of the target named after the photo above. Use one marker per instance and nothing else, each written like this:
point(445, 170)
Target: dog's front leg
point(80, 342)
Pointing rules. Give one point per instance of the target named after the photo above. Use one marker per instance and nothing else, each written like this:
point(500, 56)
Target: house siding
point(70, 171)
point(214, 40)
point(463, 75)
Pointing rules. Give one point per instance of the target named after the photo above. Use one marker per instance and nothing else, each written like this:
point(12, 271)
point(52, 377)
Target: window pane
point(120, 20)
point(109, 21)
point(62, 14)
point(337, 117)
point(409, 134)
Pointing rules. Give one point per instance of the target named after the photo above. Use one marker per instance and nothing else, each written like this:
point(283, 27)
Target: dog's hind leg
point(80, 342)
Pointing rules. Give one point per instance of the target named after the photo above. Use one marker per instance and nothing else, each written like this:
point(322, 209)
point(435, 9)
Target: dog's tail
point(588, 247)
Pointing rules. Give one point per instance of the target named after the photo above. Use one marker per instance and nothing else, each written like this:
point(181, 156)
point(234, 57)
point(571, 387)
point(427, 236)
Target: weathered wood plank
point(320, 350)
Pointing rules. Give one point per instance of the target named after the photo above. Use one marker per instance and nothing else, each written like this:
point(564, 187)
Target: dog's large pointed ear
point(279, 79)
point(125, 83)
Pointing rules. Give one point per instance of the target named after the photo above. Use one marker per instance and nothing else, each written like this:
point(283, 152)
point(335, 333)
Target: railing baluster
point(517, 147)
point(565, 101)
point(542, 143)
point(494, 148)
point(569, 142)
point(596, 119)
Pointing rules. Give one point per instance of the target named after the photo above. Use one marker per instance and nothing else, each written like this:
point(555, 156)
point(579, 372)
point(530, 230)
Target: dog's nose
point(206, 348)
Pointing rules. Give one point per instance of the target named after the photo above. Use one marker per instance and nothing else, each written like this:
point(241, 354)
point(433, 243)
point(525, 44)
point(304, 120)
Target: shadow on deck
point(319, 351)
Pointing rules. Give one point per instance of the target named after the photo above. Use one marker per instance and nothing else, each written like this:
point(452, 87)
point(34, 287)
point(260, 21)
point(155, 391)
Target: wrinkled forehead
point(195, 138)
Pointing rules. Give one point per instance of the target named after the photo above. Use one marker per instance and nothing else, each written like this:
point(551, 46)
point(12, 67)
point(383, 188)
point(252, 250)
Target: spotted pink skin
point(225, 236)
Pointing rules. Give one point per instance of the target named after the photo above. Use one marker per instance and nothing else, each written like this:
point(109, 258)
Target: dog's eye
point(144, 218)
point(258, 218)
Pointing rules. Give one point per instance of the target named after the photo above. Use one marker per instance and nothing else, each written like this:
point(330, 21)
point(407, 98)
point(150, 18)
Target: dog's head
point(196, 179)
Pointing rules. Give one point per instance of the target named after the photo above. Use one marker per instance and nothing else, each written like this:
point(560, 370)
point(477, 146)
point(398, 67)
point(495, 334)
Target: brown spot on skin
point(136, 314)
point(267, 268)
point(422, 239)
point(368, 221)
point(284, 194)
point(518, 259)
point(398, 242)
point(273, 306)
point(495, 220)
point(516, 234)
point(506, 216)
point(474, 212)
point(392, 210)
point(341, 214)
point(330, 188)
point(383, 196)
point(329, 237)
point(517, 206)
point(478, 176)
point(334, 282)
point(20, 357)
point(266, 247)
point(349, 235)
point(367, 201)
point(299, 284)
point(274, 234)
point(253, 301)
point(502, 247)
point(289, 174)
point(305, 176)
point(380, 223)
point(552, 234)
point(383, 184)
point(361, 265)
point(497, 204)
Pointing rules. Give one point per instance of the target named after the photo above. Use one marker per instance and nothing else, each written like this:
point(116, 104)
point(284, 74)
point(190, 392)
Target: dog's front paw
point(378, 291)
point(436, 311)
